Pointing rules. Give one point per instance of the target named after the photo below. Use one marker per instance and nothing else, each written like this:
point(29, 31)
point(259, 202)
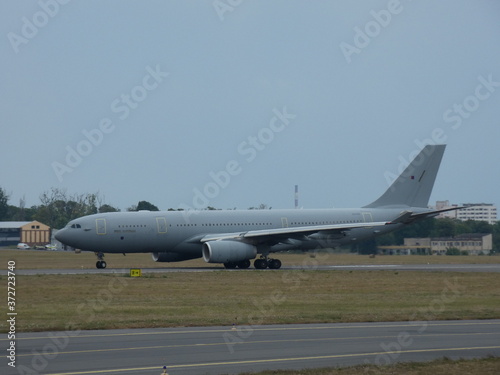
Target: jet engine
point(227, 251)
point(172, 257)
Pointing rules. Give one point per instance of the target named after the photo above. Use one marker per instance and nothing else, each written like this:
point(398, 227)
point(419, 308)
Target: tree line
point(57, 207)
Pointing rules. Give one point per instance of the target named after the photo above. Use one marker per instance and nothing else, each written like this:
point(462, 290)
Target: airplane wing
point(268, 234)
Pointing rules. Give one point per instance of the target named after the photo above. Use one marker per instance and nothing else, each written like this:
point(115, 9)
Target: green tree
point(479, 226)
point(4, 207)
point(444, 228)
point(419, 229)
point(261, 206)
point(452, 251)
point(21, 213)
point(496, 237)
point(57, 208)
point(145, 205)
point(108, 208)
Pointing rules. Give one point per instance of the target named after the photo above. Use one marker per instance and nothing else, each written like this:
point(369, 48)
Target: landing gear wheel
point(260, 264)
point(274, 264)
point(100, 262)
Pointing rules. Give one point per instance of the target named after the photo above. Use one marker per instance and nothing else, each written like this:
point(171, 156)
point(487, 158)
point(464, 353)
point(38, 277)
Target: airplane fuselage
point(179, 232)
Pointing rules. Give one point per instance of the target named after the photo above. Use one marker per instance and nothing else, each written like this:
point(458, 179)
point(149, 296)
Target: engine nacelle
point(225, 251)
point(172, 257)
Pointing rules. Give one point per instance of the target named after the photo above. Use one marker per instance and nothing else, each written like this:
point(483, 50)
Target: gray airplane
point(235, 237)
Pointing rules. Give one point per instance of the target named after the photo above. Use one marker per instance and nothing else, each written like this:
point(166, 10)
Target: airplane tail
point(414, 185)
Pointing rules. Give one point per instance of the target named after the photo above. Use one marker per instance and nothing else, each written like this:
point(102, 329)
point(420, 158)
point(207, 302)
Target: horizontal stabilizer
point(407, 217)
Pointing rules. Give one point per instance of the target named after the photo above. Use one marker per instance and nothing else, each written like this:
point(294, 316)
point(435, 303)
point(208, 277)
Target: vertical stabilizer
point(414, 185)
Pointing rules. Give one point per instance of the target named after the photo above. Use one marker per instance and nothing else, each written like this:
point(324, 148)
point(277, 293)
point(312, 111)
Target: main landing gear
point(265, 262)
point(100, 262)
point(260, 264)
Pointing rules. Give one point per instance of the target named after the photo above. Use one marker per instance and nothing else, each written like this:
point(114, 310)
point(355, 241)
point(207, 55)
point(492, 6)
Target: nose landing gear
point(101, 264)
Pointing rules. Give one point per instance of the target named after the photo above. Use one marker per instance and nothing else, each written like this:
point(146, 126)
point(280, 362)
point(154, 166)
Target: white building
point(478, 211)
point(472, 211)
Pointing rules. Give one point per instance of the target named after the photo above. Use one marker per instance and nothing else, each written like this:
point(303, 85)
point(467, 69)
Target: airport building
point(32, 233)
point(472, 243)
point(472, 211)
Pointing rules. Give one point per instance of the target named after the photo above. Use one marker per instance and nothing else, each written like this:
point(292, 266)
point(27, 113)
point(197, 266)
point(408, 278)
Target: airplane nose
point(60, 235)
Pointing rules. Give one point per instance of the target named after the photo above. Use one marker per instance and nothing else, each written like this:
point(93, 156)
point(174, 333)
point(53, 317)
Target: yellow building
point(32, 233)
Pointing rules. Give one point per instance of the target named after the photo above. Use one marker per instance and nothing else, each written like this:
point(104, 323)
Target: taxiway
point(232, 350)
point(377, 267)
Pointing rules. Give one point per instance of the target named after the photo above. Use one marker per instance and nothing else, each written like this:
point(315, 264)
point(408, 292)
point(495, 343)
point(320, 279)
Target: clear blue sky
point(150, 100)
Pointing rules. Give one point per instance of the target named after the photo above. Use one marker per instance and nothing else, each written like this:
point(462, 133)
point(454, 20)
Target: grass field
point(104, 301)
point(54, 302)
point(36, 259)
point(486, 366)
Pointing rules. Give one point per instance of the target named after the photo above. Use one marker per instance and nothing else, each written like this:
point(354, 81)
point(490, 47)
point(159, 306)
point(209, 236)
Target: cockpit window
point(76, 226)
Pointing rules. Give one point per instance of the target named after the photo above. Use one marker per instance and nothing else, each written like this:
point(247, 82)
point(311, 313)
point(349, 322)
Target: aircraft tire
point(260, 264)
point(275, 264)
point(230, 265)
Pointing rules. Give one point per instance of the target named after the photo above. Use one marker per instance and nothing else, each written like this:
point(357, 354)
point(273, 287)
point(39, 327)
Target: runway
point(377, 267)
point(232, 350)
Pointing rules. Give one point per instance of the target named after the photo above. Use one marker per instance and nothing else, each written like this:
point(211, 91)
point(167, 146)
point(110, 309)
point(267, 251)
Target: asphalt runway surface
point(232, 350)
point(388, 267)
